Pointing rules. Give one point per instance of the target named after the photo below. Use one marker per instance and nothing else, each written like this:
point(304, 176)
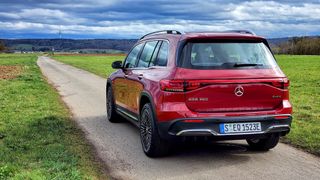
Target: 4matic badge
point(197, 99)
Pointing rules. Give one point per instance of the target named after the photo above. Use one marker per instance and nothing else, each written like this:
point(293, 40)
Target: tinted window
point(163, 54)
point(132, 57)
point(147, 54)
point(226, 55)
point(155, 53)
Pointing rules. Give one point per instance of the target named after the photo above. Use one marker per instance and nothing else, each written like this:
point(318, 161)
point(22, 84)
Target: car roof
point(218, 35)
point(238, 35)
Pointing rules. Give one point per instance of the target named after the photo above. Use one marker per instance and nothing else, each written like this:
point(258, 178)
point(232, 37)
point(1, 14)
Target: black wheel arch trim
point(109, 82)
point(149, 96)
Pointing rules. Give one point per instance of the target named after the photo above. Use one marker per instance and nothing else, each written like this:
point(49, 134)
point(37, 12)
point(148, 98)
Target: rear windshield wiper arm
point(246, 64)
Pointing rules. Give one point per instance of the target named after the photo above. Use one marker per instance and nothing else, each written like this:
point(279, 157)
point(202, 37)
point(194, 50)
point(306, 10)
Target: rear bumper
point(210, 127)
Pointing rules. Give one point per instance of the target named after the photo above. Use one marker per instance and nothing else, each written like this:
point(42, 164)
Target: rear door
point(135, 80)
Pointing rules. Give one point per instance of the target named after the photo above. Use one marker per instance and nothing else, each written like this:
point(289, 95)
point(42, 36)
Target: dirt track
point(119, 144)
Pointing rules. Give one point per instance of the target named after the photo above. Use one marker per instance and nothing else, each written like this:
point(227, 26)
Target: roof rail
point(162, 32)
point(229, 31)
point(241, 31)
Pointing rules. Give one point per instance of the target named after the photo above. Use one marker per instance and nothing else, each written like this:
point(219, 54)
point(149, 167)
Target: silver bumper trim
point(206, 132)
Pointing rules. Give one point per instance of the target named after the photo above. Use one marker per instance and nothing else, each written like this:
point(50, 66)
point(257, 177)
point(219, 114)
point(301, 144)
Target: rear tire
point(112, 115)
point(152, 144)
point(264, 144)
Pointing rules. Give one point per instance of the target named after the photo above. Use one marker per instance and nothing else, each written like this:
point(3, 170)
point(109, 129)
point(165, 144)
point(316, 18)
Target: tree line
point(2, 46)
point(298, 46)
point(68, 44)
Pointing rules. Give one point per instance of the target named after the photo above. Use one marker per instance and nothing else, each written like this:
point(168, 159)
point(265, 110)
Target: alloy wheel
point(146, 130)
point(109, 104)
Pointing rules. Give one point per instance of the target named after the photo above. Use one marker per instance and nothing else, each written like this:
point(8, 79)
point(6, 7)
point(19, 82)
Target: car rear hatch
point(240, 81)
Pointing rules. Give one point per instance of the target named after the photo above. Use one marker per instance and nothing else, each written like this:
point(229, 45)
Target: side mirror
point(117, 65)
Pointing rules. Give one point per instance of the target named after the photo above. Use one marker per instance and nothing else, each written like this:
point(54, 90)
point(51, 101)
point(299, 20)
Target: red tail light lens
point(172, 85)
point(193, 121)
point(179, 85)
point(286, 84)
point(191, 85)
point(281, 84)
point(281, 117)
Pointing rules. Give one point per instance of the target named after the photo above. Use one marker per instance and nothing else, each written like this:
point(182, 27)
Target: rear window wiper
point(246, 64)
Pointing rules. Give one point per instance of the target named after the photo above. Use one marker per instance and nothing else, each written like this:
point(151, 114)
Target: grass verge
point(304, 75)
point(100, 65)
point(38, 140)
point(303, 72)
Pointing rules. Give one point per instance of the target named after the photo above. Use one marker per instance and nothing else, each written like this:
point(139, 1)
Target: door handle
point(126, 76)
point(140, 76)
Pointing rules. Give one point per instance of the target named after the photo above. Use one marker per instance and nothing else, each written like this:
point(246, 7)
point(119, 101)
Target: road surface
point(118, 145)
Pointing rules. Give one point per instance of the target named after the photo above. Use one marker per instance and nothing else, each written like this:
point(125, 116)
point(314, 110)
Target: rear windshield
point(226, 55)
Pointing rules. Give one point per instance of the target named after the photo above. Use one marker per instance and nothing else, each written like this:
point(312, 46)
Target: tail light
point(172, 85)
point(281, 84)
point(180, 85)
point(281, 117)
point(193, 121)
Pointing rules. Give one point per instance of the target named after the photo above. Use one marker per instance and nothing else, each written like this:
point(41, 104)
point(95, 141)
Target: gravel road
point(118, 145)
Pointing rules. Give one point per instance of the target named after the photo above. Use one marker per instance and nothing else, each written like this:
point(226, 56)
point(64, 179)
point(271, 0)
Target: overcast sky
point(133, 18)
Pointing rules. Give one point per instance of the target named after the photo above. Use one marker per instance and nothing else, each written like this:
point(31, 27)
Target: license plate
point(230, 128)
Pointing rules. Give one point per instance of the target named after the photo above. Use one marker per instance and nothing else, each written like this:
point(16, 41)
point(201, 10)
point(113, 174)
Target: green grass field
point(303, 72)
point(38, 140)
point(304, 75)
point(100, 65)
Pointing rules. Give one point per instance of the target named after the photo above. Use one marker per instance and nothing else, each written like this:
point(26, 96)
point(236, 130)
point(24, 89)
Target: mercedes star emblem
point(239, 91)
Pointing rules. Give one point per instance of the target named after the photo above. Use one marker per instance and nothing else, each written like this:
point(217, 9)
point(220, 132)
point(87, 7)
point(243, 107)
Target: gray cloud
point(127, 18)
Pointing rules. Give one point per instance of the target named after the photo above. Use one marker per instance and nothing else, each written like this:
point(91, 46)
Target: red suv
point(220, 85)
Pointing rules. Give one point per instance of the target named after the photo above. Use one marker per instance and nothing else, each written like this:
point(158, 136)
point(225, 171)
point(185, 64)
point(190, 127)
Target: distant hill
point(286, 45)
point(278, 41)
point(70, 45)
point(85, 45)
